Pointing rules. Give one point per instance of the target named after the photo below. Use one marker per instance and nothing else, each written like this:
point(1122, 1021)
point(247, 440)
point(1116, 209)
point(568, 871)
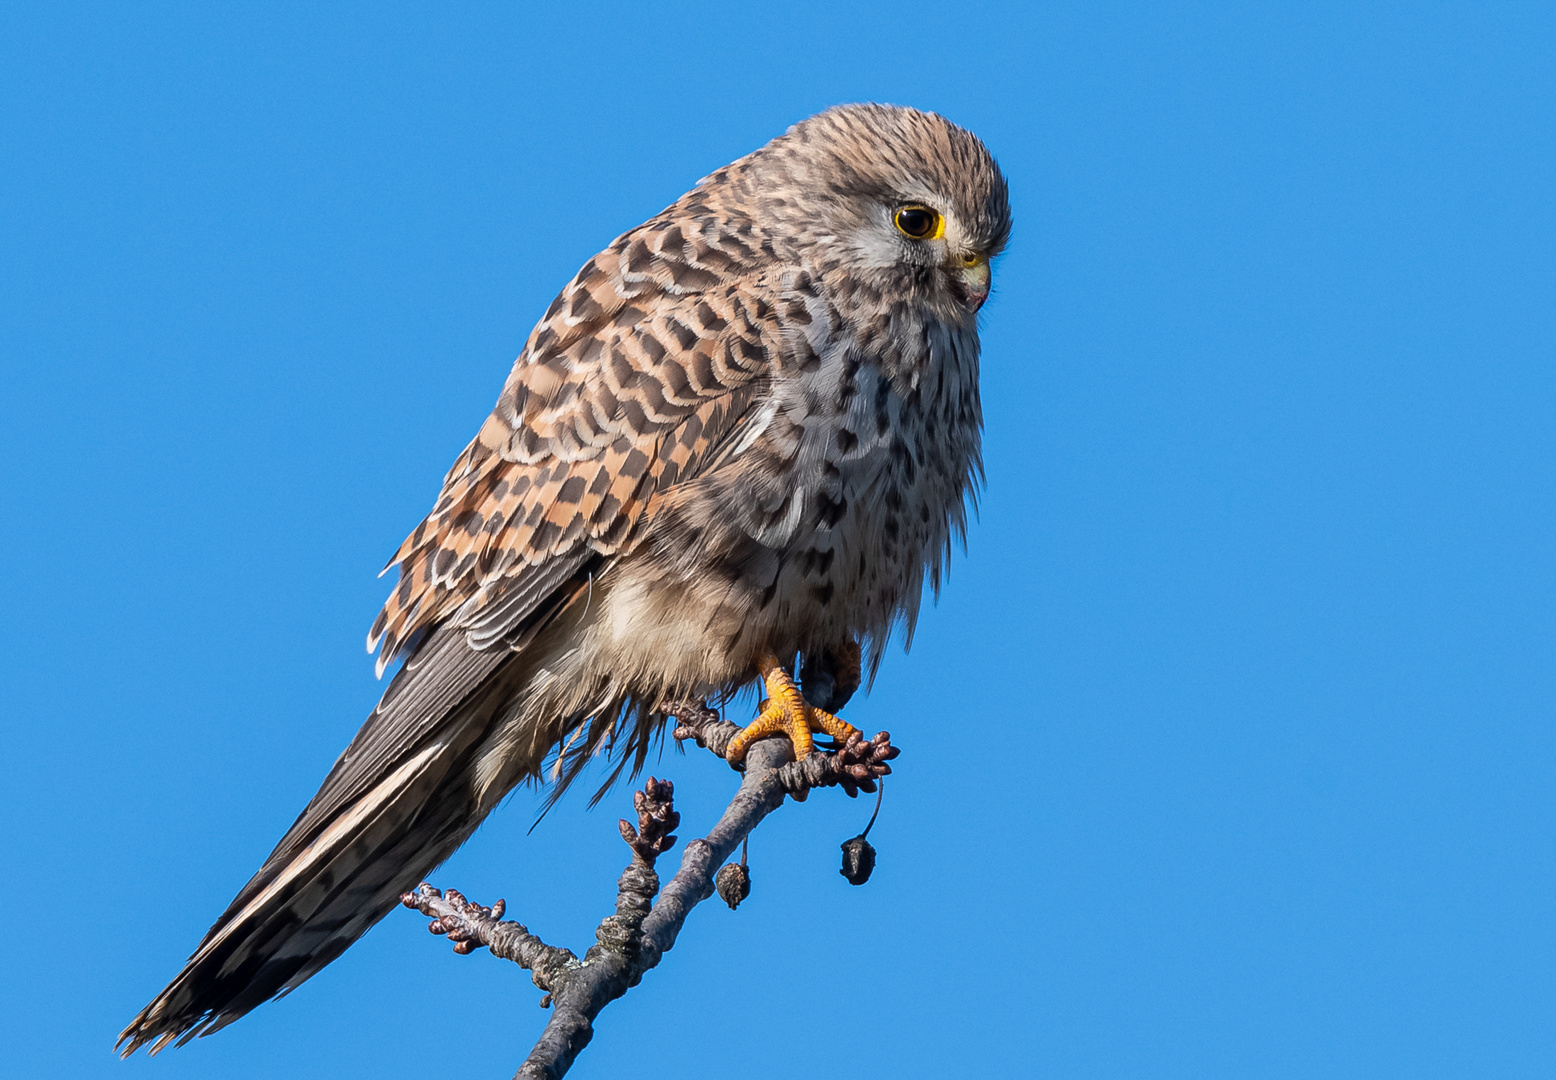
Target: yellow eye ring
point(919, 223)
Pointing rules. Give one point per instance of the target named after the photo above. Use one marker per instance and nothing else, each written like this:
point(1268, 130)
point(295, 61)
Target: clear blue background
point(1258, 619)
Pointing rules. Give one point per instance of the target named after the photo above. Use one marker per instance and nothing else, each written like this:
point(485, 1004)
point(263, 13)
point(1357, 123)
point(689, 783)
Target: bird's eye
point(919, 222)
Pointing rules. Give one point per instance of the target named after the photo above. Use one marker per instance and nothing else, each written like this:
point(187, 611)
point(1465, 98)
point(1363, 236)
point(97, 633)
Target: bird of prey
point(739, 440)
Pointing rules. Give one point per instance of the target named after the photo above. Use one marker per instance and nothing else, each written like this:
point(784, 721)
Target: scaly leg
point(786, 712)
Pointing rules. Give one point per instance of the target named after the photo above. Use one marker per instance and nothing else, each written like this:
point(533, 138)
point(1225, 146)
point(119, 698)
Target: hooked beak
point(972, 273)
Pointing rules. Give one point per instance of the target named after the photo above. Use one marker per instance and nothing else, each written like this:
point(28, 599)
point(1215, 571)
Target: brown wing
point(629, 384)
point(633, 379)
point(642, 365)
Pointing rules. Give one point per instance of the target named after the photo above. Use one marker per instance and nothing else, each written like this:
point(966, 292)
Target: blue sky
point(1259, 611)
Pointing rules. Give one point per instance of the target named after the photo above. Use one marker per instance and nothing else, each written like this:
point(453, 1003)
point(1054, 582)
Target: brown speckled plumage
point(750, 423)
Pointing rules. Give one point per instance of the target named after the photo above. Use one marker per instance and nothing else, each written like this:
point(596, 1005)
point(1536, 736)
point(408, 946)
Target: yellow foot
point(786, 712)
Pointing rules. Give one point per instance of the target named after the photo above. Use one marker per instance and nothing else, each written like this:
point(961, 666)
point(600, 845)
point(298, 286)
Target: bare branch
point(633, 940)
point(469, 926)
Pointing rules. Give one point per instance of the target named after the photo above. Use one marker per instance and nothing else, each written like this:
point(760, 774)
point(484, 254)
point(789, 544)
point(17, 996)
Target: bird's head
point(886, 198)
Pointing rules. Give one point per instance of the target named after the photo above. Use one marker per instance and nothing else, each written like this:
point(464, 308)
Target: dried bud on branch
point(858, 855)
point(733, 882)
point(656, 817)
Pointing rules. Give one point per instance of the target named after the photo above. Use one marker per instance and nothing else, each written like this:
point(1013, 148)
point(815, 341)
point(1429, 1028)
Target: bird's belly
point(693, 624)
point(663, 634)
point(653, 628)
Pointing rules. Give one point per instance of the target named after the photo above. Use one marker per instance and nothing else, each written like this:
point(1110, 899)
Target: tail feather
point(321, 897)
point(397, 803)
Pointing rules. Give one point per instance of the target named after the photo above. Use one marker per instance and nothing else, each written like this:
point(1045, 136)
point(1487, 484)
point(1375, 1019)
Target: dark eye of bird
point(917, 221)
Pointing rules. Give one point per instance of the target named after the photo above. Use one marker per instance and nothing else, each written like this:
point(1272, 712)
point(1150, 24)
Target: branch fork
point(632, 940)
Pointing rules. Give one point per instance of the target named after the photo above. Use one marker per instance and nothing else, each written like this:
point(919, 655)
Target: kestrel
point(739, 440)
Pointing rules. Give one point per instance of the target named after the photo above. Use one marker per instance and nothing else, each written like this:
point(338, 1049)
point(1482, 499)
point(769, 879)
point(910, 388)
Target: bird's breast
point(838, 498)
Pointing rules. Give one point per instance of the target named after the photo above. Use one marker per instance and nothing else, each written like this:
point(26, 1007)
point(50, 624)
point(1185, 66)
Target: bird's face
point(915, 240)
point(901, 200)
point(936, 243)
